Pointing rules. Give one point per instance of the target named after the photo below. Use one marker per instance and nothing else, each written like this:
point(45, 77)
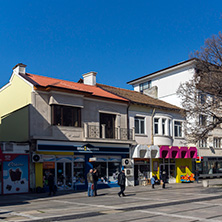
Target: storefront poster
point(155, 166)
point(15, 174)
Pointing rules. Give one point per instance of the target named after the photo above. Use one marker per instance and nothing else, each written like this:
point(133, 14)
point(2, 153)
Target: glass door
point(64, 175)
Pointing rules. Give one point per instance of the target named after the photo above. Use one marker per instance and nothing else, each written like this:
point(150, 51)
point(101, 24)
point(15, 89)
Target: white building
point(163, 84)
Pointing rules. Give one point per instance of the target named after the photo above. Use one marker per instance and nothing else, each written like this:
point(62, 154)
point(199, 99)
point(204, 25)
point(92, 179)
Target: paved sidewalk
point(178, 202)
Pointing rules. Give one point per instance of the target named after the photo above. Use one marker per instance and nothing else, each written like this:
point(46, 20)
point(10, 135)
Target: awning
point(141, 151)
point(184, 152)
point(165, 152)
point(144, 151)
point(192, 152)
point(174, 152)
point(154, 151)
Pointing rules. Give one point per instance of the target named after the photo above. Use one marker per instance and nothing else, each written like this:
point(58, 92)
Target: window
point(156, 126)
point(139, 125)
point(66, 116)
point(107, 120)
point(163, 126)
point(217, 142)
point(202, 98)
point(203, 143)
point(178, 129)
point(145, 85)
point(202, 120)
point(169, 122)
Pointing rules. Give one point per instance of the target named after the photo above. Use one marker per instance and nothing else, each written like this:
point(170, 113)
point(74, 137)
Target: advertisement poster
point(15, 174)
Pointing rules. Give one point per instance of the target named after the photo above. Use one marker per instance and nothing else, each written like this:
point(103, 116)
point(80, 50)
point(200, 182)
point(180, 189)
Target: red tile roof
point(42, 81)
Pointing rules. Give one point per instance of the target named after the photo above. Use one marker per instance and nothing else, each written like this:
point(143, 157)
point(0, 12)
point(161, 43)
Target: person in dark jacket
point(164, 178)
point(51, 184)
point(122, 182)
point(197, 174)
point(95, 180)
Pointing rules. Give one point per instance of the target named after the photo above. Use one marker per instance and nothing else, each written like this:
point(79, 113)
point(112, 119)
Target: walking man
point(164, 178)
point(122, 182)
point(51, 184)
point(90, 183)
point(95, 180)
point(197, 174)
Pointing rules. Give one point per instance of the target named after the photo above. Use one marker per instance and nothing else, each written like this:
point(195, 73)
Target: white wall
point(169, 82)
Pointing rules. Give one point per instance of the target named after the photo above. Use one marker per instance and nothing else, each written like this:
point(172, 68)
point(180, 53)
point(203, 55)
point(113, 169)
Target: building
point(69, 128)
point(160, 143)
point(163, 84)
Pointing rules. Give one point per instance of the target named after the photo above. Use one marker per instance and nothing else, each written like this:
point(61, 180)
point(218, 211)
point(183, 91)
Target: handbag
point(92, 187)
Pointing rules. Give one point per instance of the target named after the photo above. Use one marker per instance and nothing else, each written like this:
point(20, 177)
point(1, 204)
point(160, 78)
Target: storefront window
point(78, 173)
point(113, 171)
point(101, 167)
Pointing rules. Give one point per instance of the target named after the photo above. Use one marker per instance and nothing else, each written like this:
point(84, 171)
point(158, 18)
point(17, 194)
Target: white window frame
point(140, 119)
point(164, 126)
point(203, 143)
point(156, 124)
point(217, 142)
point(178, 129)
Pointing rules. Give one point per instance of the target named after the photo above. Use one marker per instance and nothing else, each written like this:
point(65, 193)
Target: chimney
point(89, 78)
point(19, 68)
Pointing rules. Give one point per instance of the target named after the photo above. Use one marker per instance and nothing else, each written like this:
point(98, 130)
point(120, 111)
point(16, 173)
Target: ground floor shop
point(209, 166)
point(175, 161)
point(70, 163)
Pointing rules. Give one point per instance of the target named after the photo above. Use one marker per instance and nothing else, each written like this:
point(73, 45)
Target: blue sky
point(121, 40)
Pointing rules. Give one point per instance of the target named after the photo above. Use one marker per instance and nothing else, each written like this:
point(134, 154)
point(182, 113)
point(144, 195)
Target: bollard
point(205, 183)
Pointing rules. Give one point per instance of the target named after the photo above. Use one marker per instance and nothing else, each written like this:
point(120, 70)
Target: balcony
point(103, 132)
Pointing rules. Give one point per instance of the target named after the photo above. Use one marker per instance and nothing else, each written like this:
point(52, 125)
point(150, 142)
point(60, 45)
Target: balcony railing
point(101, 132)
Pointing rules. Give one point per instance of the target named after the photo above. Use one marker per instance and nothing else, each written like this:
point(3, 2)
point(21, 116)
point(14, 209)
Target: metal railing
point(101, 132)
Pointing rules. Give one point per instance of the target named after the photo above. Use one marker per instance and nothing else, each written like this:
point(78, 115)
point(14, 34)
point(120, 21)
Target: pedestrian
point(153, 181)
point(122, 182)
point(95, 180)
point(90, 183)
point(51, 184)
point(164, 178)
point(197, 174)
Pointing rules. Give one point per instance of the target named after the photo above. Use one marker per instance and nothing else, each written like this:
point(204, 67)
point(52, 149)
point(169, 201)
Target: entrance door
point(64, 175)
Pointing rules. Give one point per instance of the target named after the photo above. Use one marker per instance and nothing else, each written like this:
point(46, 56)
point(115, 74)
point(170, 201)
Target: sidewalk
point(28, 197)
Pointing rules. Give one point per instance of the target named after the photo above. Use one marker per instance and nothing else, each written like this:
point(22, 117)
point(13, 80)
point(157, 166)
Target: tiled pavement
point(178, 202)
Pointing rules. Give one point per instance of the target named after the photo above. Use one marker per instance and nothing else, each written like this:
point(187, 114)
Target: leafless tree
point(201, 96)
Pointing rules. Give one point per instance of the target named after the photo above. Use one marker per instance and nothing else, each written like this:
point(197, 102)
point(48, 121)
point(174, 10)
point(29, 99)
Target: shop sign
point(48, 165)
point(15, 174)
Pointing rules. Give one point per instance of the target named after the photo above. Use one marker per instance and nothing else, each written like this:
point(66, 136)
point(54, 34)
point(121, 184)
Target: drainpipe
point(152, 143)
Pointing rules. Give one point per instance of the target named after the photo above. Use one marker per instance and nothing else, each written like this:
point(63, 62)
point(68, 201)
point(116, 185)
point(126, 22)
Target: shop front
point(142, 157)
point(70, 163)
point(153, 160)
point(177, 162)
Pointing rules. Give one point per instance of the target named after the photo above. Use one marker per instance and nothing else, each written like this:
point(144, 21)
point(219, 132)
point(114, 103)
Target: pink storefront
point(176, 161)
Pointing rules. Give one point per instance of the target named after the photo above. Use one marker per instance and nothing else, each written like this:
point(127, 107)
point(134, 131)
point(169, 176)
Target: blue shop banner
point(15, 173)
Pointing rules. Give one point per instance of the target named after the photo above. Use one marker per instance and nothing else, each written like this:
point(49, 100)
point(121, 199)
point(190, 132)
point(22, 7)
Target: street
point(178, 202)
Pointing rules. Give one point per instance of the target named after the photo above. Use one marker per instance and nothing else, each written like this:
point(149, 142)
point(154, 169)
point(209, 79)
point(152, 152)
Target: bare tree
point(201, 96)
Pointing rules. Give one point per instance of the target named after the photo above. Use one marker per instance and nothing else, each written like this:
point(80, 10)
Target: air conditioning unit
point(37, 158)
point(127, 162)
point(129, 172)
